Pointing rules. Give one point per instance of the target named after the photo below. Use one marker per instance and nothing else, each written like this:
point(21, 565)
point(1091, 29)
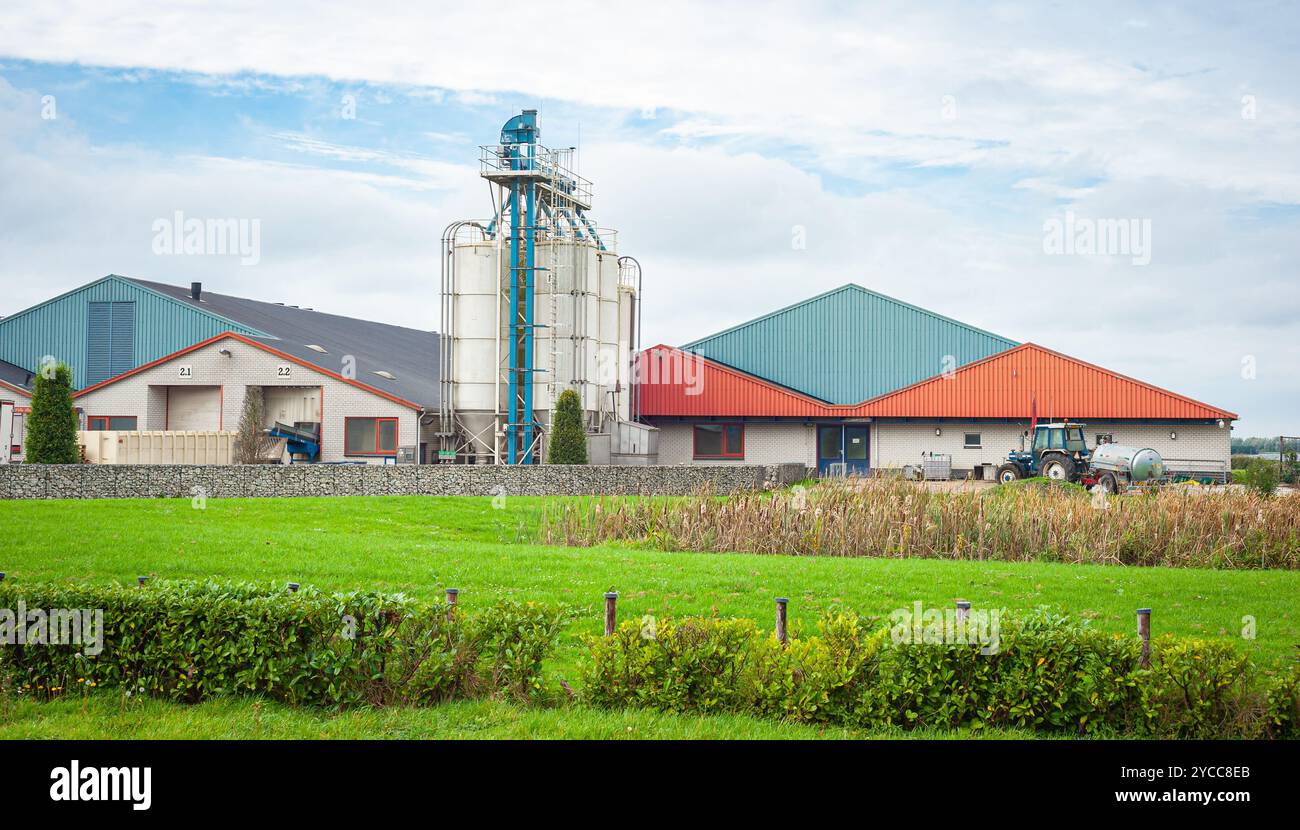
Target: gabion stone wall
point(109, 481)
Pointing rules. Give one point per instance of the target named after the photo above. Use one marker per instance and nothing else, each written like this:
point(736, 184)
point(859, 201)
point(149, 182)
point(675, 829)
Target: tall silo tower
point(535, 300)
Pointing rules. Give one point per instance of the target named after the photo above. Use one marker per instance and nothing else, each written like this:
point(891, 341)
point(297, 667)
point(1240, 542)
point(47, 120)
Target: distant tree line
point(1255, 446)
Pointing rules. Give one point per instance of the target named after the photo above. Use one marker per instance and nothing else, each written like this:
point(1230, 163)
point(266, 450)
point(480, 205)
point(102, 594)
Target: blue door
point(842, 448)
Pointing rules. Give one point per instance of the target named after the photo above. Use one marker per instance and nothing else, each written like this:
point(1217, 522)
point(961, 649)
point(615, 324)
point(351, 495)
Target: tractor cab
point(1057, 451)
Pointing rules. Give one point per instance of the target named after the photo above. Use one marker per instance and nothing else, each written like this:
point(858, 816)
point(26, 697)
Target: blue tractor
point(1058, 451)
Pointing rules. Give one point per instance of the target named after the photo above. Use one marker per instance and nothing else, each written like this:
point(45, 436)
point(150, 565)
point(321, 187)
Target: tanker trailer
point(1115, 466)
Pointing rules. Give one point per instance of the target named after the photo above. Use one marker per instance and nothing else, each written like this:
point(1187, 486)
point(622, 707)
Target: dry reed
point(888, 518)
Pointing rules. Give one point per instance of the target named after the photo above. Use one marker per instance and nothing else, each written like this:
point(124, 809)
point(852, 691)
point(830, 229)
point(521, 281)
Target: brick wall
point(91, 481)
point(896, 444)
point(144, 395)
point(20, 400)
point(770, 443)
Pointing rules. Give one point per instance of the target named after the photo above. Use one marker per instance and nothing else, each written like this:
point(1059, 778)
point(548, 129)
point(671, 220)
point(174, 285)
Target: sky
point(1119, 182)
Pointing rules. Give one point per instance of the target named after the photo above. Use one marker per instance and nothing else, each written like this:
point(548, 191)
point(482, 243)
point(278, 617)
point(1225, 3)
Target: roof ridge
point(847, 287)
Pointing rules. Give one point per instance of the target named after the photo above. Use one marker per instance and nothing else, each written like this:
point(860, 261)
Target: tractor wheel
point(1108, 483)
point(1008, 473)
point(1058, 467)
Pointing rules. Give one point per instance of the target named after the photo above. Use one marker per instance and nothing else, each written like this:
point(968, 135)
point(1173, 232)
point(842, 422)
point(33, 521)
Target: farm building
point(854, 381)
point(15, 402)
point(152, 357)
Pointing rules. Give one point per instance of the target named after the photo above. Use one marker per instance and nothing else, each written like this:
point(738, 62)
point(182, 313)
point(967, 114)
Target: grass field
point(424, 545)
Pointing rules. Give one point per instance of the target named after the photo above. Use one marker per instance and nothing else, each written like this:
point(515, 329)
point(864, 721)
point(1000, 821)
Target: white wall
point(143, 395)
point(896, 444)
point(14, 436)
point(765, 443)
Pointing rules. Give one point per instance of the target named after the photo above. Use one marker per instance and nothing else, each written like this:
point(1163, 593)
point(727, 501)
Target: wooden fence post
point(611, 613)
point(1144, 632)
point(782, 635)
point(452, 595)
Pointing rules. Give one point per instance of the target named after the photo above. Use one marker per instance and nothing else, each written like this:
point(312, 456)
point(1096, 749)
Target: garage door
point(291, 404)
point(194, 408)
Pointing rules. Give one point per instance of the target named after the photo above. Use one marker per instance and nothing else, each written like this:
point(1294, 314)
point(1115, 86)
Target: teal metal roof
point(848, 345)
point(59, 327)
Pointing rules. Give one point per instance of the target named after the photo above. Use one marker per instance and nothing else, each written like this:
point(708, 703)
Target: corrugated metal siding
point(1005, 385)
point(711, 390)
point(99, 327)
point(60, 327)
point(122, 342)
point(848, 345)
point(1001, 386)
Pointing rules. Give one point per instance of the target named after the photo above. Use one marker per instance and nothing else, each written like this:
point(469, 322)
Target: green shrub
point(1262, 479)
point(568, 438)
point(696, 664)
point(818, 679)
point(1282, 719)
point(1047, 674)
point(518, 636)
point(52, 423)
point(188, 641)
point(1196, 689)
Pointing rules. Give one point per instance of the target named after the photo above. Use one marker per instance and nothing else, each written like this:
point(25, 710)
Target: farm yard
point(514, 549)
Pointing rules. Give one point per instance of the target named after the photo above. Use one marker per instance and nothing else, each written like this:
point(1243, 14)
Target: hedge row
point(1049, 674)
point(187, 641)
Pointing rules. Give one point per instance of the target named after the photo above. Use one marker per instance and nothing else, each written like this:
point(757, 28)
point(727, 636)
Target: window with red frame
point(370, 436)
point(102, 422)
point(719, 441)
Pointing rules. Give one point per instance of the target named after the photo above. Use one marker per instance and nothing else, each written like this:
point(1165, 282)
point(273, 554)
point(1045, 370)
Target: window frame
point(377, 452)
point(727, 452)
point(108, 421)
point(977, 445)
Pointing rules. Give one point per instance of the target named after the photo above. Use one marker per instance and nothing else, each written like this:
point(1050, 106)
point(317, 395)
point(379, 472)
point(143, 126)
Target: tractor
point(1060, 452)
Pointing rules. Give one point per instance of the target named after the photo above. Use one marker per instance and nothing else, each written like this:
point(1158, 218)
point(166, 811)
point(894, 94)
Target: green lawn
point(106, 715)
point(422, 545)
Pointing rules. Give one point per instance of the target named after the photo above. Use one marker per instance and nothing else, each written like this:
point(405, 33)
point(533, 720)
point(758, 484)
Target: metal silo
point(533, 303)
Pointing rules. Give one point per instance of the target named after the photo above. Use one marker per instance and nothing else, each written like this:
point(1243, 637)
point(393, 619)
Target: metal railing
point(504, 161)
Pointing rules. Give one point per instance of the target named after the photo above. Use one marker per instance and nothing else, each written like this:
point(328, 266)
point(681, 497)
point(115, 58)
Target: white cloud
point(1076, 105)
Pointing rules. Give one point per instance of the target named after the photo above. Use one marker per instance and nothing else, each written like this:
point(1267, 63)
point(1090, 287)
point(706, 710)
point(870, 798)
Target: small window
point(386, 375)
point(719, 441)
point(828, 444)
point(19, 434)
point(972, 441)
point(105, 422)
point(315, 348)
point(370, 436)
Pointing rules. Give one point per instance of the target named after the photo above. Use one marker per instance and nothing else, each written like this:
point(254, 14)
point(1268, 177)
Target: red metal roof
point(1001, 386)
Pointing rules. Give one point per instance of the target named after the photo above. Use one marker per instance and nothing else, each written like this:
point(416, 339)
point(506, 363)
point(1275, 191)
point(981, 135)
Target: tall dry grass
point(890, 518)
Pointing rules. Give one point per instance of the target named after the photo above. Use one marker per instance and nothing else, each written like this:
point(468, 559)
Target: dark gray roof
point(15, 375)
point(410, 355)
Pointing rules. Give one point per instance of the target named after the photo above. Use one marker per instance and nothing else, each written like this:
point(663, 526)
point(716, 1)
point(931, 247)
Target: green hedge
point(187, 641)
point(1049, 674)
